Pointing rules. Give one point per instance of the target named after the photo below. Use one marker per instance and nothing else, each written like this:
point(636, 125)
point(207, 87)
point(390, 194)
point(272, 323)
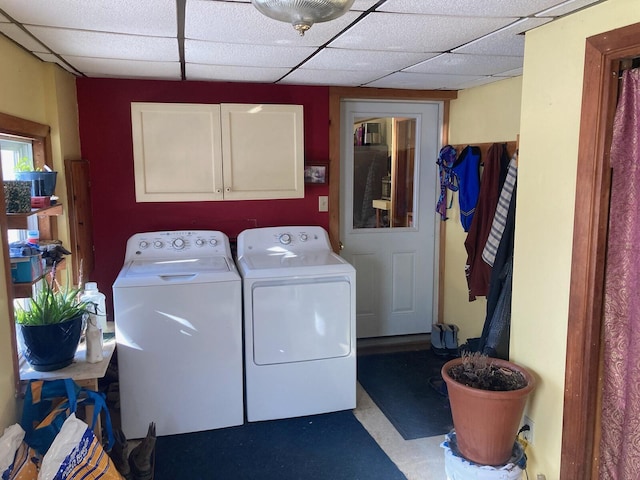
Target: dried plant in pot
point(51, 324)
point(487, 398)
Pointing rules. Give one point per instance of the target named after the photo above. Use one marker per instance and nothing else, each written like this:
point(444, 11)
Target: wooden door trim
point(602, 56)
point(336, 95)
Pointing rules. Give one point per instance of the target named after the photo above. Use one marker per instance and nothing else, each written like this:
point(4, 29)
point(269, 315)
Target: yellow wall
point(549, 131)
point(485, 114)
point(43, 93)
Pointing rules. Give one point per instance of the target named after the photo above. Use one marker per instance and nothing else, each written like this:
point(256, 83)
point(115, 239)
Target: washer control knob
point(158, 244)
point(285, 239)
point(213, 242)
point(200, 242)
point(143, 244)
point(304, 237)
point(178, 244)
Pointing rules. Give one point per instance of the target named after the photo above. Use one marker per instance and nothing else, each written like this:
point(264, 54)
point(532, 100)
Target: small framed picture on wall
point(316, 173)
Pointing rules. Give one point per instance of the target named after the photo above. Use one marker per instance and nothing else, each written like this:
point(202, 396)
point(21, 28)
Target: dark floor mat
point(408, 388)
point(330, 446)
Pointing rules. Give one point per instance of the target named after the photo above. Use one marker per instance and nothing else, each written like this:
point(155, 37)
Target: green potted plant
point(43, 181)
point(487, 398)
point(51, 324)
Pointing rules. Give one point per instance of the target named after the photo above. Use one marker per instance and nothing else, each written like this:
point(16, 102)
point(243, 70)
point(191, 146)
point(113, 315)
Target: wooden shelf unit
point(18, 221)
point(24, 289)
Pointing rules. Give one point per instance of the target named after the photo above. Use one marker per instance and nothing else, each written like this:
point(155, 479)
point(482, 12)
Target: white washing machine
point(178, 320)
point(299, 323)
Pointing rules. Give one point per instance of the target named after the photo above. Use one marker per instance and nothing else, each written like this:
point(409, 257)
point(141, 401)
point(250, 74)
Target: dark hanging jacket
point(478, 272)
point(495, 332)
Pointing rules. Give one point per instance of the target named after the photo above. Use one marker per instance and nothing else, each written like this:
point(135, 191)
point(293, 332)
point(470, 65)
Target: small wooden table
point(82, 372)
point(382, 204)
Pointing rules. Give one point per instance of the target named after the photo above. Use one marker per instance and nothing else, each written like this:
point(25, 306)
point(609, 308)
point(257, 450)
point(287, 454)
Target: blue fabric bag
point(48, 403)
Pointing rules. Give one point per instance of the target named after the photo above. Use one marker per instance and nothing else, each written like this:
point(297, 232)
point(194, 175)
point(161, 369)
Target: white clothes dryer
point(178, 321)
point(299, 323)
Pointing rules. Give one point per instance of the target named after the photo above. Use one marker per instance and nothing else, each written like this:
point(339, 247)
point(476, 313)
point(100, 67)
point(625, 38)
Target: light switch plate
point(323, 203)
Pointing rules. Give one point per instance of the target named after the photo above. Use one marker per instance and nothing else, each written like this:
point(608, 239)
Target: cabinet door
point(176, 152)
point(262, 151)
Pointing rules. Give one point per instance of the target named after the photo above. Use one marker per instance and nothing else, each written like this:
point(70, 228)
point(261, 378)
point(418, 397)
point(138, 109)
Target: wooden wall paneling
point(484, 147)
point(80, 217)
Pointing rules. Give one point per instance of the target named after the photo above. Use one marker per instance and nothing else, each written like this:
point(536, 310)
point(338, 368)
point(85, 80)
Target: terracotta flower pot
point(486, 422)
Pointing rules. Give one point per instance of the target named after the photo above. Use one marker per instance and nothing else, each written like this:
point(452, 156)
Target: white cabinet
point(262, 151)
point(198, 152)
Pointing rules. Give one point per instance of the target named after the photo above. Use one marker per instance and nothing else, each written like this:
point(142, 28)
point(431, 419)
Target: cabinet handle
point(228, 189)
point(218, 190)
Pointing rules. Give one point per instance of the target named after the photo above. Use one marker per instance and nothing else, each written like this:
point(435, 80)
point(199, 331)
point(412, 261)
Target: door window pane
point(384, 172)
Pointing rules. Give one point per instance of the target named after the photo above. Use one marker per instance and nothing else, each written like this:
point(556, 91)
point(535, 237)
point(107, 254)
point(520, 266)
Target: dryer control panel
point(178, 244)
point(279, 239)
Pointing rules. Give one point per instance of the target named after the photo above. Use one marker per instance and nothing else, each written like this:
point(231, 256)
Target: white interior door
point(388, 220)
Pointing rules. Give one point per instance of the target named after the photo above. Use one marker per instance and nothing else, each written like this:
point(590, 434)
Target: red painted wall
point(106, 142)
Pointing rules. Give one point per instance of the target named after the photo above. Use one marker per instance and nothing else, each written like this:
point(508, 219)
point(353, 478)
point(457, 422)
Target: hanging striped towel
point(500, 217)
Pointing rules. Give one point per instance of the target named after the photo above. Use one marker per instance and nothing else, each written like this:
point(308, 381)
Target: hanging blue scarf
point(448, 178)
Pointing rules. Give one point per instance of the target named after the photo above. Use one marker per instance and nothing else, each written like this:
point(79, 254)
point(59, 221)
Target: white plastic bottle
point(93, 337)
point(91, 294)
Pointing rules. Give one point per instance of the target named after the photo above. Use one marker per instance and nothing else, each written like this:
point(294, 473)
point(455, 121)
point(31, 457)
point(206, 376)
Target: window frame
point(40, 136)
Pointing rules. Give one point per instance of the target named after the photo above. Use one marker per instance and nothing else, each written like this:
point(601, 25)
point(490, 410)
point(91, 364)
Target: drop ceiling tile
point(213, 53)
point(507, 41)
point(416, 33)
point(142, 17)
point(477, 82)
point(459, 64)
point(51, 58)
point(510, 73)
point(567, 7)
point(22, 38)
point(363, 5)
point(81, 43)
point(106, 67)
point(349, 78)
point(421, 81)
point(470, 8)
point(222, 21)
point(358, 5)
point(233, 73)
point(339, 59)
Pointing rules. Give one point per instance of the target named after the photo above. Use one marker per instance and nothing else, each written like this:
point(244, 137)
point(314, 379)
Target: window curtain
point(619, 452)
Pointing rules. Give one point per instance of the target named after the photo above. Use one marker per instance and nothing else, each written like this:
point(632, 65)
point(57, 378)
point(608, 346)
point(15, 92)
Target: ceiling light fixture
point(302, 14)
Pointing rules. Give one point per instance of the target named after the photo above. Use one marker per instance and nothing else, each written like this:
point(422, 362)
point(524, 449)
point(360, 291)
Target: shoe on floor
point(141, 458)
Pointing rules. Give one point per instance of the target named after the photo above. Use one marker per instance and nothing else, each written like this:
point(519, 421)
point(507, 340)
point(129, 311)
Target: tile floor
point(419, 459)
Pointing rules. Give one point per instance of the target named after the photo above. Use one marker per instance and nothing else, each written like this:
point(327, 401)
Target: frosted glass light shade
point(302, 14)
